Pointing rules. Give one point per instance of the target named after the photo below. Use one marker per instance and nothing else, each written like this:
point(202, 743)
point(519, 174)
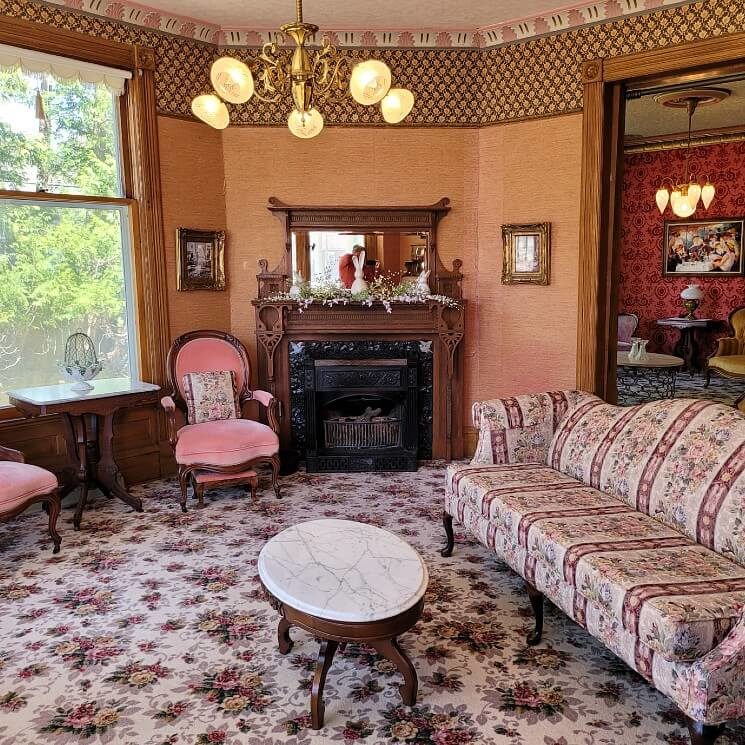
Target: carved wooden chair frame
point(50, 501)
point(176, 400)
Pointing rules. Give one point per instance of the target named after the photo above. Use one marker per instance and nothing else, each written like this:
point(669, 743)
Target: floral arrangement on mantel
point(383, 290)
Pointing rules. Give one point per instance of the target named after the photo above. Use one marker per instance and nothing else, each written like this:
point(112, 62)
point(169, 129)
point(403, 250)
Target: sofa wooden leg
point(704, 734)
point(536, 600)
point(447, 521)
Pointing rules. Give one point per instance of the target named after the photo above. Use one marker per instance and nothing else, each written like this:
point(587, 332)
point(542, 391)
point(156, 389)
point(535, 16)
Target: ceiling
point(358, 14)
point(647, 118)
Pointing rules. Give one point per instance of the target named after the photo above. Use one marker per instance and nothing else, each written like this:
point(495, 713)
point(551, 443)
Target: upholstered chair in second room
point(210, 378)
point(729, 358)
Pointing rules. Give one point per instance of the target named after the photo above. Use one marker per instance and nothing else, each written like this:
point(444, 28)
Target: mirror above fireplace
point(399, 241)
point(322, 255)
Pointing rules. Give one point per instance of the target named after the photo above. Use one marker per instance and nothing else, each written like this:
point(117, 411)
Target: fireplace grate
point(383, 433)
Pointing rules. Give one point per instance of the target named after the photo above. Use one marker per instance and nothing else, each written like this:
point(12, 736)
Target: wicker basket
point(362, 434)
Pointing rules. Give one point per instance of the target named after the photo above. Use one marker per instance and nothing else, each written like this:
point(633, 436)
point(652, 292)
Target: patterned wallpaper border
point(454, 87)
point(561, 19)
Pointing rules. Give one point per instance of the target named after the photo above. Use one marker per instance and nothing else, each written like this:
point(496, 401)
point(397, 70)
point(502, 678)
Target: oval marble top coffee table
point(345, 581)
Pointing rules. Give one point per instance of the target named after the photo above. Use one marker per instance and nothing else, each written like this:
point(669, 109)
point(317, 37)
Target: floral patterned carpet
point(151, 629)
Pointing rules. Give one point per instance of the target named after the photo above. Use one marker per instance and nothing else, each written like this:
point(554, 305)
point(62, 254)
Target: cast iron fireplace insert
point(361, 415)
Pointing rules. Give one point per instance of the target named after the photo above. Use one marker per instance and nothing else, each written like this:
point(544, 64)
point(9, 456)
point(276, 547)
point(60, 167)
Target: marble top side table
point(89, 430)
point(345, 581)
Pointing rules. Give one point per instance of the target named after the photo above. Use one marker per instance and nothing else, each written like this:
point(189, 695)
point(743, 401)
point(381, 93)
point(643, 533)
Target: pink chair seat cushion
point(20, 482)
point(226, 442)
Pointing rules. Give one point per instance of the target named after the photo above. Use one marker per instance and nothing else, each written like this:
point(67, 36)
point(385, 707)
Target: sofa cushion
point(680, 461)
point(678, 598)
point(520, 429)
point(506, 494)
point(226, 442)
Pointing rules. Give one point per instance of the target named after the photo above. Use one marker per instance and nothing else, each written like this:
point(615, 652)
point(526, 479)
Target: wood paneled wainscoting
point(140, 444)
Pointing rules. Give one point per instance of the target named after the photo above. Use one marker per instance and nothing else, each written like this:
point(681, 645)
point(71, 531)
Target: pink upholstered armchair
point(225, 449)
point(22, 485)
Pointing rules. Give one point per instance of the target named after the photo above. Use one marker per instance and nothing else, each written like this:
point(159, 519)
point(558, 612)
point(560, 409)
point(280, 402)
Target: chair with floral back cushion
point(627, 323)
point(210, 378)
point(22, 485)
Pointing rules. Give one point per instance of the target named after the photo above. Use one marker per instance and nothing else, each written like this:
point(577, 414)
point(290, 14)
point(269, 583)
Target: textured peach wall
point(193, 187)
point(342, 166)
point(518, 338)
point(526, 335)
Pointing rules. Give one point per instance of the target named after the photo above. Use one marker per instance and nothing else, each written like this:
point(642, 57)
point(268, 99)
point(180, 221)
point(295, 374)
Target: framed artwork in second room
point(527, 254)
point(703, 248)
point(200, 259)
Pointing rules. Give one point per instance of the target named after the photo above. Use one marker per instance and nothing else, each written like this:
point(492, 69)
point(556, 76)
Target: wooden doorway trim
point(604, 82)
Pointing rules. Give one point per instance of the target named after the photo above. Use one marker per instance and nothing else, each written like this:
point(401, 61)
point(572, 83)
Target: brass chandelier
point(684, 195)
point(310, 77)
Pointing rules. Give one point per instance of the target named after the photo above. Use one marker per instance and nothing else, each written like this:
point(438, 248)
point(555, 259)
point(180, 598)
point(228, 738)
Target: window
point(65, 247)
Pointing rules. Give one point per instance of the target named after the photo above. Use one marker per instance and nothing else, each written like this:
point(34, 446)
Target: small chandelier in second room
point(308, 77)
point(685, 194)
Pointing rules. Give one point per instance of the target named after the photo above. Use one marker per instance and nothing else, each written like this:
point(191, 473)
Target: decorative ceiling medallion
point(565, 18)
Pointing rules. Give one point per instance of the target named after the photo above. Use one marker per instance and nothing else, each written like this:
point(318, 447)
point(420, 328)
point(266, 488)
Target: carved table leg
point(81, 445)
point(390, 649)
point(108, 474)
point(283, 636)
point(325, 657)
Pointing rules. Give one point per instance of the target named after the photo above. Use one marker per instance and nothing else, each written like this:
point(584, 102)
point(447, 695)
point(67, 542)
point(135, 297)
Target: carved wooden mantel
point(280, 322)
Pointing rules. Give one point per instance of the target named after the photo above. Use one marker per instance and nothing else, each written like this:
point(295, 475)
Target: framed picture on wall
point(200, 259)
point(527, 254)
point(703, 247)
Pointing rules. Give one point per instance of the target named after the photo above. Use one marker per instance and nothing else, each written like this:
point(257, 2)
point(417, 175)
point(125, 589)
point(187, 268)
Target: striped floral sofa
point(632, 521)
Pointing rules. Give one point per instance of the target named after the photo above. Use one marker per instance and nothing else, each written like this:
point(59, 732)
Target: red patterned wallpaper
point(643, 290)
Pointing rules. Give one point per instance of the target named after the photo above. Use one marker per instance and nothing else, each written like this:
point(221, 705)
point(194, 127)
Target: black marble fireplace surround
point(410, 397)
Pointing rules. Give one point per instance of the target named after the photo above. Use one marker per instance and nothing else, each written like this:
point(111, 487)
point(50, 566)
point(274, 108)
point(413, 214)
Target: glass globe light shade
point(232, 80)
point(211, 110)
point(305, 124)
point(396, 105)
point(370, 82)
point(682, 206)
point(662, 197)
point(707, 194)
point(694, 193)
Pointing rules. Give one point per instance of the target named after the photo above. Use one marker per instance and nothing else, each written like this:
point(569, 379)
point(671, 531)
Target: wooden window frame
point(140, 175)
point(605, 82)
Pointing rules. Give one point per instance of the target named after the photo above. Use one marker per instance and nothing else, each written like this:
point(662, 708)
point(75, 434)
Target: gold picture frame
point(527, 254)
point(200, 259)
